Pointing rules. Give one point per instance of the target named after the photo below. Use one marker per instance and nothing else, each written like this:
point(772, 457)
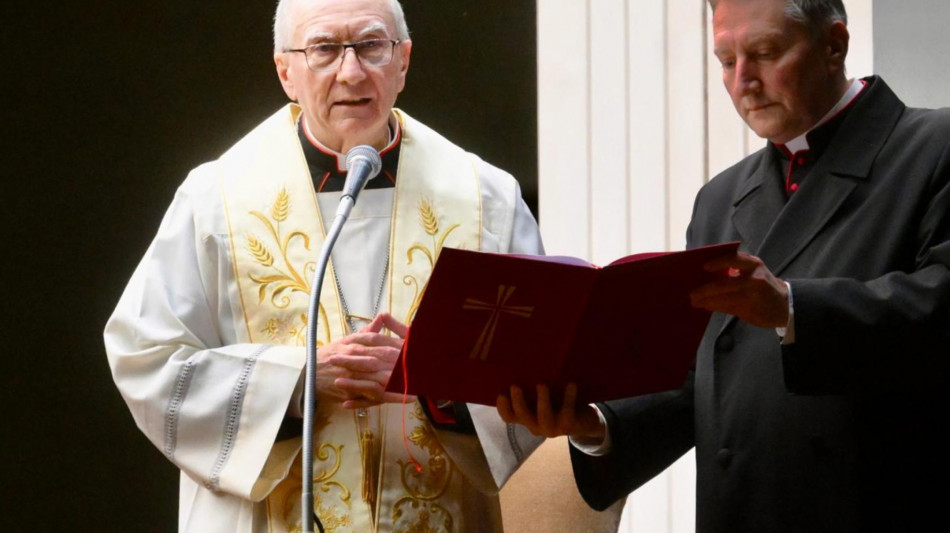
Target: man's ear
point(837, 48)
point(404, 67)
point(282, 62)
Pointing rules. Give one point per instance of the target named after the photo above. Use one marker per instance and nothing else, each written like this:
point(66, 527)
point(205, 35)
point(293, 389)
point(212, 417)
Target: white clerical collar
point(391, 142)
point(800, 143)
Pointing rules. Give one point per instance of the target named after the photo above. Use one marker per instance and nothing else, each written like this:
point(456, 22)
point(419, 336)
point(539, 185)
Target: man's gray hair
point(816, 15)
point(284, 29)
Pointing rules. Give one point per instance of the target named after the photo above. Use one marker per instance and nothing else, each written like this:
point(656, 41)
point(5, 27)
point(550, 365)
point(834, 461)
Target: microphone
point(362, 164)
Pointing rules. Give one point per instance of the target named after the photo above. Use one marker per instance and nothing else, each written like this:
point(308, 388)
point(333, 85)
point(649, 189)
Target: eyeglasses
point(322, 57)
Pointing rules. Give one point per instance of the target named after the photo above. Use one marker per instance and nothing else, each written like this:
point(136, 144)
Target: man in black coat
point(818, 400)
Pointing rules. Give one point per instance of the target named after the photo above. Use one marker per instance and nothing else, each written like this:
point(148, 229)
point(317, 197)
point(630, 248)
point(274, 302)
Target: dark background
point(106, 107)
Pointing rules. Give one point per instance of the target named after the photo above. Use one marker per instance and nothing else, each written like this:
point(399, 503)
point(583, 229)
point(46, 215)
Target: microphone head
point(362, 164)
point(367, 154)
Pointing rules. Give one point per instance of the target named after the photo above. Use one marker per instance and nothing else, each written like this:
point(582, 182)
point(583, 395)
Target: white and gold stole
point(276, 233)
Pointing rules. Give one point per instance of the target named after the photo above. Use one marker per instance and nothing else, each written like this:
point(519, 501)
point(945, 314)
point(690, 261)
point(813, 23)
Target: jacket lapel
point(805, 214)
point(845, 164)
point(758, 202)
point(776, 231)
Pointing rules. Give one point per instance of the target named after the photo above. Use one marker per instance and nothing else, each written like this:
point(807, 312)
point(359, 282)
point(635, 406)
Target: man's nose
point(747, 77)
point(351, 70)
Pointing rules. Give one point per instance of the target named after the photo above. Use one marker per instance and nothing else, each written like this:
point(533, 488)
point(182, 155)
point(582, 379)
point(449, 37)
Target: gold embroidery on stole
point(276, 228)
point(437, 204)
point(430, 224)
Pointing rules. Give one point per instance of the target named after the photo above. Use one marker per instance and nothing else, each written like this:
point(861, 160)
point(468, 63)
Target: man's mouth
point(353, 102)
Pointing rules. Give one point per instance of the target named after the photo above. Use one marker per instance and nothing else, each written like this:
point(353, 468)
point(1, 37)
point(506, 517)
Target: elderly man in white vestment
point(207, 342)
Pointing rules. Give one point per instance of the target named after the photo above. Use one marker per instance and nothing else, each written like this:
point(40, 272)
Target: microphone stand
point(347, 201)
point(308, 516)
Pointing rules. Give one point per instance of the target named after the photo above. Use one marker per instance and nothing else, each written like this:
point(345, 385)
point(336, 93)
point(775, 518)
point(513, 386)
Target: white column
point(609, 85)
point(564, 136)
point(646, 70)
point(860, 61)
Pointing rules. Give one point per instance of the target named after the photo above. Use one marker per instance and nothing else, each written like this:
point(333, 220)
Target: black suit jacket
point(843, 430)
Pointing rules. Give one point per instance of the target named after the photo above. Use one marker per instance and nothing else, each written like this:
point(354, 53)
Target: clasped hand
point(356, 368)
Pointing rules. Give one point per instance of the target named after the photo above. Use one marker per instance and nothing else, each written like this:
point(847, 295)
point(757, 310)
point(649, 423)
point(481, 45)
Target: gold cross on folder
point(500, 306)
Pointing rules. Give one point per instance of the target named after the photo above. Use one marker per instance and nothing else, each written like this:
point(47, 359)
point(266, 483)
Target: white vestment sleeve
point(211, 404)
point(505, 446)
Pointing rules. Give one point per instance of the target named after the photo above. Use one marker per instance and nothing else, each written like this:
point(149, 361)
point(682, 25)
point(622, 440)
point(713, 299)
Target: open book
point(487, 321)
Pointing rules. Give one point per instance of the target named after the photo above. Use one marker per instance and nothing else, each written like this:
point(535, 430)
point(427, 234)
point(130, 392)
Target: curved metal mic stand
point(308, 517)
point(347, 201)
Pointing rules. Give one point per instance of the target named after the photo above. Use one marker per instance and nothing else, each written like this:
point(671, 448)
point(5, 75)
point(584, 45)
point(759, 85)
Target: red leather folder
point(487, 321)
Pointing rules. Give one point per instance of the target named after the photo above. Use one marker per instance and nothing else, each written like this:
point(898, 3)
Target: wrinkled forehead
point(345, 20)
point(751, 20)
